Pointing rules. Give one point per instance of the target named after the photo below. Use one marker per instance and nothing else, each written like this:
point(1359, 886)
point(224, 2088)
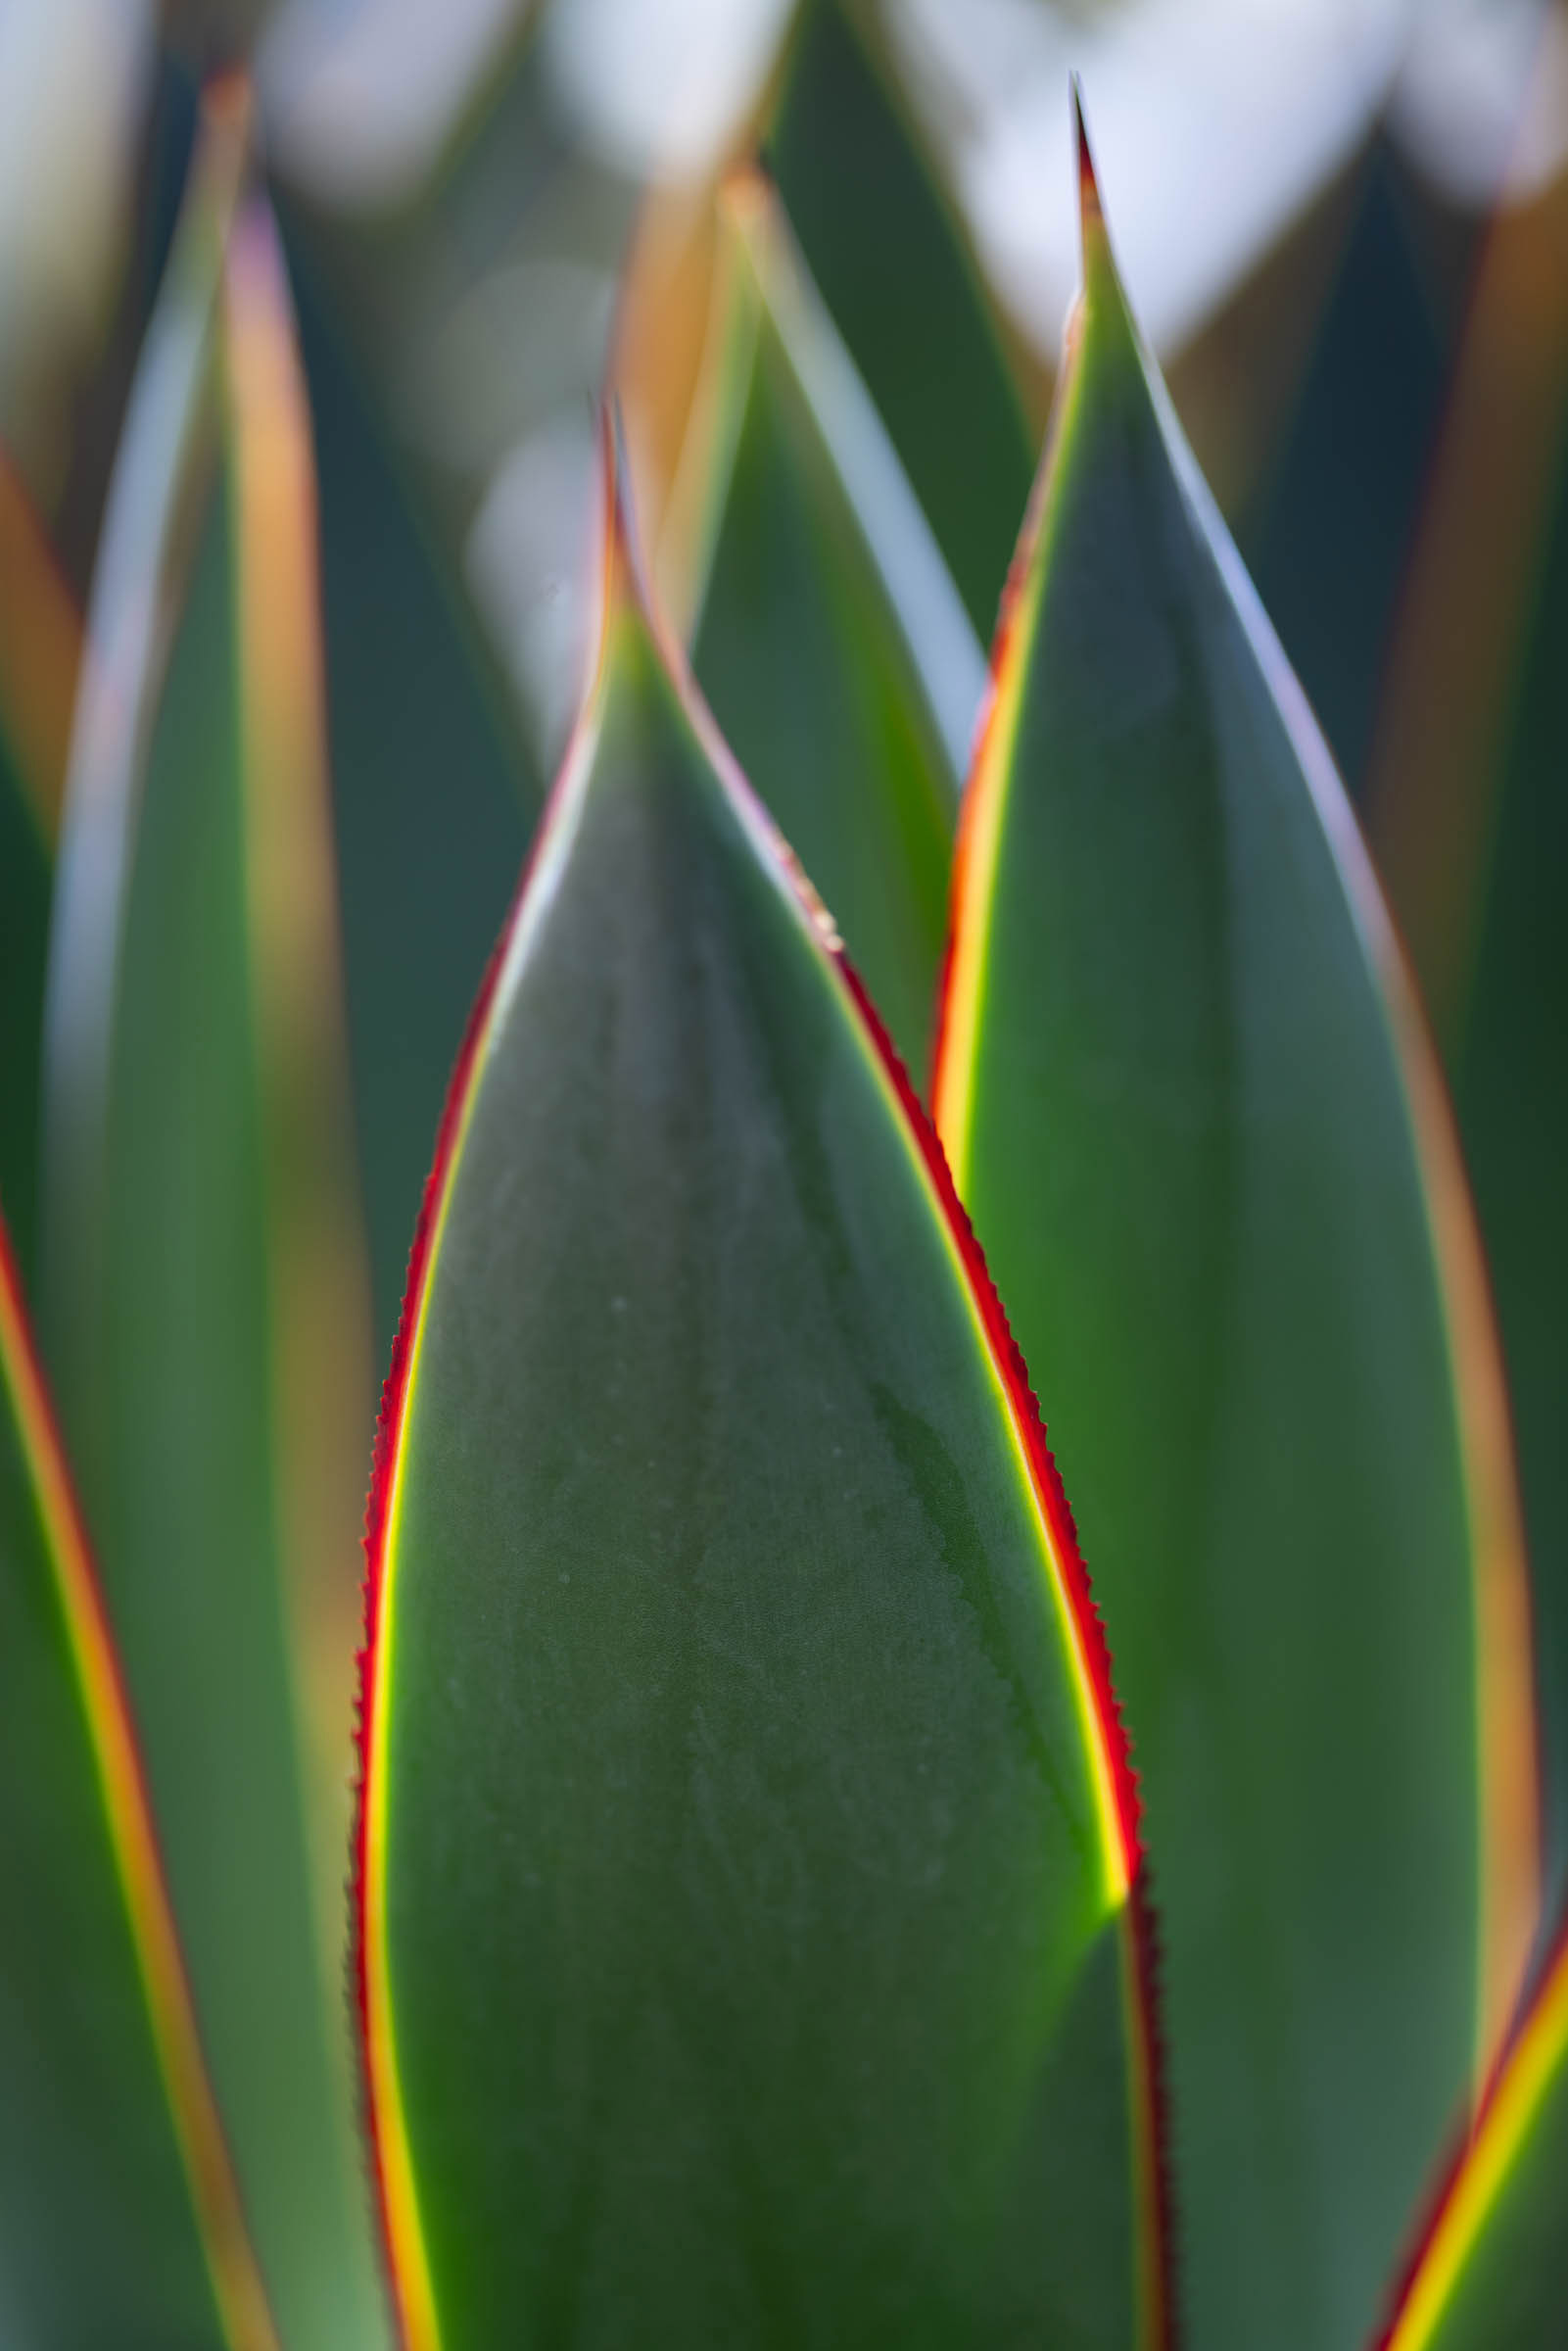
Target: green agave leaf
point(432, 798)
point(750, 1940)
point(1507, 1074)
point(1186, 1099)
point(119, 2220)
point(40, 650)
point(24, 884)
point(1492, 2271)
point(828, 638)
point(895, 270)
point(201, 1260)
point(1469, 821)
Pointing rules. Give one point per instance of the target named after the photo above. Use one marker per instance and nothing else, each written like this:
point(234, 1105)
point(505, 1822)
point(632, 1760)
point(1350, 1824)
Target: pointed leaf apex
point(1091, 212)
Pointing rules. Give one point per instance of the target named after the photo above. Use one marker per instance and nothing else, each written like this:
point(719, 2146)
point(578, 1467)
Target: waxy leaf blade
point(24, 884)
point(885, 245)
point(119, 2214)
point(749, 1930)
point(40, 650)
point(1186, 1100)
point(433, 799)
point(828, 638)
point(202, 1298)
point(1492, 2270)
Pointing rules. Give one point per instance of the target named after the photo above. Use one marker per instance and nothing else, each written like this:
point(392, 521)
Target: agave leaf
point(1507, 1074)
point(827, 635)
point(895, 266)
point(1491, 2273)
point(433, 799)
point(119, 2218)
point(24, 884)
point(1188, 1103)
point(750, 1943)
point(40, 651)
point(205, 1300)
point(1469, 821)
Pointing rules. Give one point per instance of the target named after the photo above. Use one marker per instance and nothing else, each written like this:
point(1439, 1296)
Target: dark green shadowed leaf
point(203, 1300)
point(746, 1947)
point(1492, 2270)
point(1468, 816)
point(111, 2163)
point(895, 272)
point(40, 651)
point(24, 882)
point(829, 638)
point(1188, 1105)
point(433, 797)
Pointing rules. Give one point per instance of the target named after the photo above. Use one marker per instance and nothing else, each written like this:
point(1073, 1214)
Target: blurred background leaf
point(202, 1284)
point(118, 2219)
point(827, 634)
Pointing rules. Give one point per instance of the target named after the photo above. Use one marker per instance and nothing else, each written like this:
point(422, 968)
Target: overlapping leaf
point(1469, 820)
point(827, 635)
point(433, 801)
point(750, 1936)
point(897, 274)
point(202, 1302)
point(119, 2220)
point(1186, 1099)
point(40, 647)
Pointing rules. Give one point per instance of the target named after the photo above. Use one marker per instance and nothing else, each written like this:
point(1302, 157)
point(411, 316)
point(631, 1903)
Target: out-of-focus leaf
point(40, 651)
point(884, 245)
point(1468, 814)
point(1492, 2271)
point(119, 2219)
point(1328, 532)
point(1508, 1075)
point(750, 1940)
point(25, 879)
point(200, 1254)
point(827, 637)
point(1187, 1100)
point(432, 801)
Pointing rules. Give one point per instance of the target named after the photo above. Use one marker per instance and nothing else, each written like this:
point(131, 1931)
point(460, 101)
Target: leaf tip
point(1091, 211)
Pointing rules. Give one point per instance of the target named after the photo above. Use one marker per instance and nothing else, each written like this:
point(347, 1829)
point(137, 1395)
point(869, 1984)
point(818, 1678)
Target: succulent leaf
point(40, 650)
point(751, 1938)
point(203, 1299)
point(119, 2217)
point(883, 242)
point(433, 795)
point(1187, 1100)
point(26, 876)
point(827, 635)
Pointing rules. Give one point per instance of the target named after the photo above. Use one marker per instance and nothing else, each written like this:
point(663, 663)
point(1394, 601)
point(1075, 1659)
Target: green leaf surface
point(1507, 1075)
point(748, 1936)
point(40, 652)
point(432, 798)
point(199, 1254)
point(829, 639)
point(1492, 2270)
point(24, 886)
point(1188, 1105)
point(884, 246)
point(114, 2182)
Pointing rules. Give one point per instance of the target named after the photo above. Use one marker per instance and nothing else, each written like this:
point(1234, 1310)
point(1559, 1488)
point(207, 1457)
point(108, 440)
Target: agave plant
point(787, 1907)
